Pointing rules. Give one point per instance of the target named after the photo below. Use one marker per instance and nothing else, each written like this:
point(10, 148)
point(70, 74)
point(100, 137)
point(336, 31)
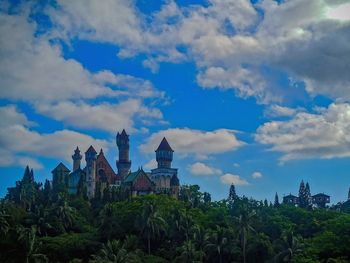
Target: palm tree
point(289, 244)
point(201, 240)
point(218, 241)
point(244, 226)
point(65, 213)
point(114, 251)
point(151, 223)
point(4, 225)
point(189, 254)
point(27, 236)
point(186, 224)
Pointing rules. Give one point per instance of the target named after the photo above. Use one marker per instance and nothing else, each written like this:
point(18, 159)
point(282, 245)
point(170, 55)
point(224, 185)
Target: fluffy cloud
point(195, 142)
point(257, 175)
point(323, 134)
point(233, 179)
point(280, 111)
point(231, 44)
point(62, 88)
point(199, 168)
point(117, 116)
point(18, 141)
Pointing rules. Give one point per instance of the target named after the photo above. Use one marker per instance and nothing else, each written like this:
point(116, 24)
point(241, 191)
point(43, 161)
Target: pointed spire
point(101, 151)
point(164, 146)
point(91, 150)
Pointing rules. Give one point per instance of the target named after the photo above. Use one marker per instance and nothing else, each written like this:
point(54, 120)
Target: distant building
point(320, 200)
point(99, 174)
point(290, 199)
point(305, 199)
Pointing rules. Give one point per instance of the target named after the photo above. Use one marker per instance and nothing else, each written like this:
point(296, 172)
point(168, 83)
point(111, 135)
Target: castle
point(98, 172)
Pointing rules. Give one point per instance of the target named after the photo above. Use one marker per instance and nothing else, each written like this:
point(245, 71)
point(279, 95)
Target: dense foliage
point(40, 224)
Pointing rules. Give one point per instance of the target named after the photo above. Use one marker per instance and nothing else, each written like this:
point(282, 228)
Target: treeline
point(40, 223)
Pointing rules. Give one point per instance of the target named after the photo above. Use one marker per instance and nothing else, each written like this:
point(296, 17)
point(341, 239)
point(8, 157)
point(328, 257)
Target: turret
point(90, 158)
point(76, 159)
point(164, 154)
point(124, 163)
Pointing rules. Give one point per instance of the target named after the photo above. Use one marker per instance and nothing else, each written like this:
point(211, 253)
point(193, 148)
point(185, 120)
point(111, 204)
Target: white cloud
point(323, 134)
point(233, 179)
point(280, 111)
point(34, 70)
point(257, 175)
point(194, 142)
point(202, 169)
point(104, 116)
point(229, 41)
point(17, 141)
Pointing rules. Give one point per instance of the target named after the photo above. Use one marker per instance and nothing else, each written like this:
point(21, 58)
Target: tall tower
point(124, 163)
point(76, 159)
point(90, 158)
point(164, 154)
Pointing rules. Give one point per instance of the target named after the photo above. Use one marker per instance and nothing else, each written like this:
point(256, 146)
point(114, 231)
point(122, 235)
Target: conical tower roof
point(91, 150)
point(164, 146)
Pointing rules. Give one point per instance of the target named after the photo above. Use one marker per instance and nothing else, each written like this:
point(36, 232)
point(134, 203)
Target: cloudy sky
point(255, 93)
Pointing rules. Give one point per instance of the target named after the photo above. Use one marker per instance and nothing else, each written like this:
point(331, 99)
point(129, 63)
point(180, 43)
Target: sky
point(254, 93)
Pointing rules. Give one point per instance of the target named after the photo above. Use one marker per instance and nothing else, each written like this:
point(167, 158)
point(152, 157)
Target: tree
point(189, 254)
point(116, 252)
point(308, 197)
point(206, 197)
point(277, 203)
point(218, 241)
point(303, 195)
point(232, 194)
point(289, 244)
point(201, 240)
point(4, 225)
point(27, 236)
point(151, 223)
point(65, 213)
point(244, 226)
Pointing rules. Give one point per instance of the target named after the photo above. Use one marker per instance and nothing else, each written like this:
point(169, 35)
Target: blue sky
point(251, 93)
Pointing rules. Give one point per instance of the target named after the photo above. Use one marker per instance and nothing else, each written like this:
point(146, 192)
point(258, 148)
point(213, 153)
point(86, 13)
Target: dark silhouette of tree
point(232, 194)
point(276, 203)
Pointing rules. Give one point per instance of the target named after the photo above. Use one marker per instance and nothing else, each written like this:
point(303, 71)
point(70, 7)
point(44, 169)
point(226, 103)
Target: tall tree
point(151, 223)
point(244, 221)
point(303, 196)
point(308, 195)
point(277, 203)
point(218, 241)
point(232, 194)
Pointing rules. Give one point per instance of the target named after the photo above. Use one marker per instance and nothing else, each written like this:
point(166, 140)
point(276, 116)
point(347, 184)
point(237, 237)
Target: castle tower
point(164, 154)
point(90, 158)
point(124, 163)
point(76, 159)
